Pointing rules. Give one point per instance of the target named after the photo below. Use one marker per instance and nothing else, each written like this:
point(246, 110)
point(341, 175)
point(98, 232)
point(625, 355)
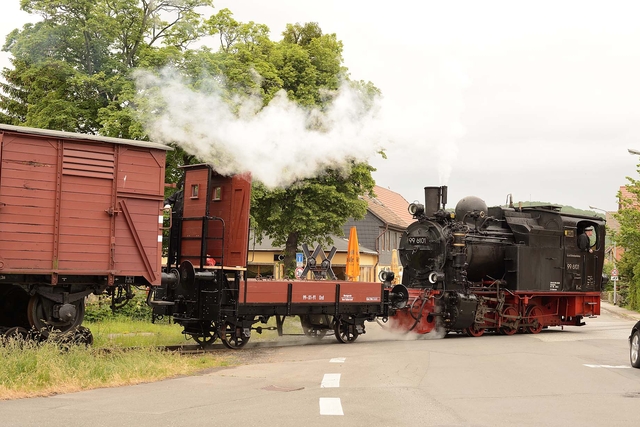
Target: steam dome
point(470, 204)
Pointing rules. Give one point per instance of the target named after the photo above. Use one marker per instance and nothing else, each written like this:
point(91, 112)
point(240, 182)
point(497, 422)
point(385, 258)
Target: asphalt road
point(571, 377)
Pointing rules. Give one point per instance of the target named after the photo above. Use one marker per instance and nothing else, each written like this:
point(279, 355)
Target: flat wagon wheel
point(346, 333)
point(510, 314)
point(534, 318)
point(474, 331)
point(311, 330)
point(232, 336)
point(40, 314)
point(205, 339)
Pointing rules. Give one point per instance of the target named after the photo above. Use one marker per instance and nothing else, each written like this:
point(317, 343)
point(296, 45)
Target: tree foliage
point(629, 238)
point(71, 69)
point(311, 209)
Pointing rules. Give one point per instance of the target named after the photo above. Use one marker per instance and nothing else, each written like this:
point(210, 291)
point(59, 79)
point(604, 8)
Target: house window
point(194, 191)
point(395, 240)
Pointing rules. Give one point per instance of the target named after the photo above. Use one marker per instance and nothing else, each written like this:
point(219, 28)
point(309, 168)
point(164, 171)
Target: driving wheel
point(474, 331)
point(510, 315)
point(534, 318)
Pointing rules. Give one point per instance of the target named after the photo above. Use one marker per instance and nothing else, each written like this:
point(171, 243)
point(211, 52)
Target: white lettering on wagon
point(347, 297)
point(373, 298)
point(313, 297)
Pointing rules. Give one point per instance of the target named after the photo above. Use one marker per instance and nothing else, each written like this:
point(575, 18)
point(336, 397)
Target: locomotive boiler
point(501, 269)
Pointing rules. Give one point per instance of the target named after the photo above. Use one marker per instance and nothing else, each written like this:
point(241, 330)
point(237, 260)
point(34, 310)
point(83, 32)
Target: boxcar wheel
point(634, 350)
point(233, 337)
point(345, 333)
point(40, 314)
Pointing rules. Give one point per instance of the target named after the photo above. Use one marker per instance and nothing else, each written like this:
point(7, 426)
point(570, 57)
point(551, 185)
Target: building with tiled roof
point(386, 219)
point(265, 259)
point(625, 195)
point(379, 234)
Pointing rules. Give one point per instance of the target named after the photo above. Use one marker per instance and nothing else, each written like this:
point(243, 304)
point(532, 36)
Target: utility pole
point(614, 271)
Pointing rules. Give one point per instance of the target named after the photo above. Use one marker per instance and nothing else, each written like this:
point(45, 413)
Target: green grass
point(31, 369)
point(121, 332)
point(124, 353)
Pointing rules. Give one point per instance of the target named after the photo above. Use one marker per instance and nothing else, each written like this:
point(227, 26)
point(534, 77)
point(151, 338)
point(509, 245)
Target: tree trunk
point(290, 250)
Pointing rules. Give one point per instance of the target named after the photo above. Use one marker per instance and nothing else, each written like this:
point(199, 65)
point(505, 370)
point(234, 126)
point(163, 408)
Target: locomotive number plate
point(418, 241)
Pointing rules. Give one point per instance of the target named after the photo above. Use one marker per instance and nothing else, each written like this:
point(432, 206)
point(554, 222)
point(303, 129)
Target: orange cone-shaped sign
point(353, 256)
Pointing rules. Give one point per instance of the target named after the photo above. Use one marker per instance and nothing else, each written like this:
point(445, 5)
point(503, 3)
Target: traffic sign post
point(614, 279)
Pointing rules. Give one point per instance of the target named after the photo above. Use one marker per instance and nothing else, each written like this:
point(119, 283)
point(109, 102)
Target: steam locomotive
point(501, 269)
point(84, 214)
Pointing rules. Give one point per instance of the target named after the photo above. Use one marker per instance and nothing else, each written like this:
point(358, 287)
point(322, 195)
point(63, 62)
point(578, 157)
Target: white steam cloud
point(284, 142)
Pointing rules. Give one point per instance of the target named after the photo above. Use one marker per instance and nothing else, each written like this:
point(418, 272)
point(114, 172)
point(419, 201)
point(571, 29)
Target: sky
point(539, 100)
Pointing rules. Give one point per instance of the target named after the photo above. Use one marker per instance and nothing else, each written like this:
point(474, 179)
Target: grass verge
point(31, 369)
point(124, 353)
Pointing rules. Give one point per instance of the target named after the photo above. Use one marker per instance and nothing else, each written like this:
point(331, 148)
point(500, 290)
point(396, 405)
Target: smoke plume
point(283, 142)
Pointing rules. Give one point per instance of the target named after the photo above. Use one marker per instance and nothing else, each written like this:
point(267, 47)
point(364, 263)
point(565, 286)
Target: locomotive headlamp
point(416, 209)
point(435, 277)
point(386, 276)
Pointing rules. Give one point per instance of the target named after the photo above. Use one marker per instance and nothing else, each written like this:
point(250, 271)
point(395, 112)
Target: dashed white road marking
point(608, 366)
point(330, 380)
point(330, 406)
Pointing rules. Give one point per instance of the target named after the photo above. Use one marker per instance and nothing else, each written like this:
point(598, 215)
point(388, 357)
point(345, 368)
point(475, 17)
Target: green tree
point(307, 64)
point(71, 69)
point(311, 209)
point(629, 238)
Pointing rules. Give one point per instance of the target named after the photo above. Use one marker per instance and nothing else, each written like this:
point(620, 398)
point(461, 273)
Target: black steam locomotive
point(505, 269)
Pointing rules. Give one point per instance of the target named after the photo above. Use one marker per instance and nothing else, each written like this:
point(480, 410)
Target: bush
point(99, 309)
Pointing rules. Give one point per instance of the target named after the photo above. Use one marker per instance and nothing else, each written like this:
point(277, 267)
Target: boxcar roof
point(82, 137)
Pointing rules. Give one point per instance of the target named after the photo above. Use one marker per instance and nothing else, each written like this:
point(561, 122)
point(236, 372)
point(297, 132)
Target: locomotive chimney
point(443, 196)
point(432, 197)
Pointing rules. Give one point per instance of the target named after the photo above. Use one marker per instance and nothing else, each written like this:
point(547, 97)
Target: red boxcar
point(78, 213)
